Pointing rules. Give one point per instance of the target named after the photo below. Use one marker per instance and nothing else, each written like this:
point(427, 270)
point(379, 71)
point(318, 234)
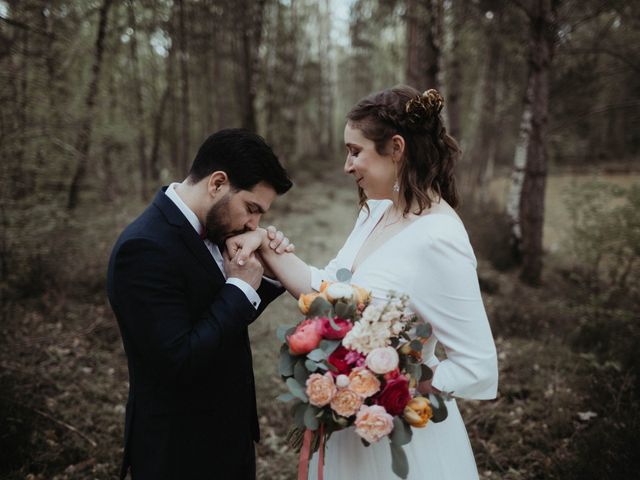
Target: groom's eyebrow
point(258, 207)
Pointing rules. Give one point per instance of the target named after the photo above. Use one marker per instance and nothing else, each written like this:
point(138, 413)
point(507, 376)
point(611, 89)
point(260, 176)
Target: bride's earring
point(396, 185)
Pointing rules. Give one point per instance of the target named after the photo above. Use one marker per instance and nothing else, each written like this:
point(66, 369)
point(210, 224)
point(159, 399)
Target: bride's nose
point(348, 165)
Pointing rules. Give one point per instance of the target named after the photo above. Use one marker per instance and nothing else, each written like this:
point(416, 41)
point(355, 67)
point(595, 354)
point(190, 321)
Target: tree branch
point(24, 26)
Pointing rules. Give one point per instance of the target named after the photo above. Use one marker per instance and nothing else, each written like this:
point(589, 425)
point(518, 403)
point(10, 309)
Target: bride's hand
point(278, 242)
point(240, 247)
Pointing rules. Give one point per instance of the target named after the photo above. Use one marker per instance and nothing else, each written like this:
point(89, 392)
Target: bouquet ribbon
point(305, 455)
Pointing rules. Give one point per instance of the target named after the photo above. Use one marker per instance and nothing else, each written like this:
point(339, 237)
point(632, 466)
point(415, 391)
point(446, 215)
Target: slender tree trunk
point(454, 77)
point(325, 90)
point(138, 102)
point(530, 220)
point(83, 141)
point(484, 149)
point(185, 117)
point(424, 40)
point(154, 159)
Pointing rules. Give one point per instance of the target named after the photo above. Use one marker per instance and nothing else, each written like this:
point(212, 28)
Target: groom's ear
point(216, 180)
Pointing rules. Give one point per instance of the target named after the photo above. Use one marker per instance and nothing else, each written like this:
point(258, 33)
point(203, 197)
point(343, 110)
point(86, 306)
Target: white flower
point(339, 291)
point(383, 360)
point(342, 381)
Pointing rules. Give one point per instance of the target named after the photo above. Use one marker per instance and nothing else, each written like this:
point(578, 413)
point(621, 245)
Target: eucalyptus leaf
point(283, 330)
point(345, 311)
point(320, 307)
point(399, 462)
point(286, 363)
point(317, 355)
point(344, 275)
point(401, 434)
point(329, 346)
point(424, 330)
point(298, 414)
point(310, 419)
point(300, 372)
point(285, 397)
point(425, 373)
point(438, 408)
point(326, 366)
point(296, 389)
point(333, 324)
point(416, 345)
point(311, 365)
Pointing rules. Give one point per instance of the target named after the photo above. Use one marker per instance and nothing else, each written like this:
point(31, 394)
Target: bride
point(409, 239)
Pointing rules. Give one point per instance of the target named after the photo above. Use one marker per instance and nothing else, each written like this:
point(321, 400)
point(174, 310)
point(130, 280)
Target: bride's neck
point(398, 206)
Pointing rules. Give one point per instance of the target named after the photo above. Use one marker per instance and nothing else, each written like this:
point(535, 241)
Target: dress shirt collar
point(186, 211)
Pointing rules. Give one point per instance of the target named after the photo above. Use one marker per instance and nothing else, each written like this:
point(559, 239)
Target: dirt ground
point(63, 376)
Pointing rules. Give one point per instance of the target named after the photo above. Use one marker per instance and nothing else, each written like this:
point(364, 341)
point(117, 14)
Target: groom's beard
point(217, 222)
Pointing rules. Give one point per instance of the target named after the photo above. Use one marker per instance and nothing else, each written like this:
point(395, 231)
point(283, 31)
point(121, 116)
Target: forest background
point(104, 101)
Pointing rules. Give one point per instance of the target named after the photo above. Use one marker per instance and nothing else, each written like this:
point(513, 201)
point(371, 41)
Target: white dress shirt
point(247, 289)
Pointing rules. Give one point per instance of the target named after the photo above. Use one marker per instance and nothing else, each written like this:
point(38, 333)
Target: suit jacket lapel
point(193, 241)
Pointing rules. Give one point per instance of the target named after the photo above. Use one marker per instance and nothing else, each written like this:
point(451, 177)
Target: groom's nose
point(253, 222)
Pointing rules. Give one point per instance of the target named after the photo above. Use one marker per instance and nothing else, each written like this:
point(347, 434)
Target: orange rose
point(305, 301)
point(363, 382)
point(346, 402)
point(418, 412)
point(323, 285)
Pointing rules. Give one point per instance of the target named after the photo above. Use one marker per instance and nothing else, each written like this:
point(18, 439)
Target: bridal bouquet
point(353, 363)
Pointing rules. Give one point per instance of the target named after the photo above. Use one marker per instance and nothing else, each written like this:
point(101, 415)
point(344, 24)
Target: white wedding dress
point(432, 261)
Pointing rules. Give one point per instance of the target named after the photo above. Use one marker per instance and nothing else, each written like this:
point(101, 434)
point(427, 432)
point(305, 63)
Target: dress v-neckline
point(389, 240)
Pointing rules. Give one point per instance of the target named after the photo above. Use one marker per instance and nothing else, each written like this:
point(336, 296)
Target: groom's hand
point(250, 271)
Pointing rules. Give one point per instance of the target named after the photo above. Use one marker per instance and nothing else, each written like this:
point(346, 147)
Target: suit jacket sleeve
point(151, 295)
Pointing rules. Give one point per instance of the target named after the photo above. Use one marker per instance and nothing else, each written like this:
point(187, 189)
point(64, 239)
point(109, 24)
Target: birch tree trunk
point(83, 141)
point(526, 200)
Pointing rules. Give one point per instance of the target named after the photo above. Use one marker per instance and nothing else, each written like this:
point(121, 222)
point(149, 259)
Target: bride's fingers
point(290, 248)
point(275, 243)
point(271, 232)
point(283, 245)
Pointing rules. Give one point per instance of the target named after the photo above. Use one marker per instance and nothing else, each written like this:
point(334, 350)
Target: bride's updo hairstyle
point(430, 153)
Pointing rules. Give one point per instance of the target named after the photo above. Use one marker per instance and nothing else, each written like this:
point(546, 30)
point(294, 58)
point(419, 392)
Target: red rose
point(338, 360)
point(393, 374)
point(395, 395)
point(330, 333)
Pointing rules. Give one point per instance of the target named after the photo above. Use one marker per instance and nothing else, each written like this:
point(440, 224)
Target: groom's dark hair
point(244, 156)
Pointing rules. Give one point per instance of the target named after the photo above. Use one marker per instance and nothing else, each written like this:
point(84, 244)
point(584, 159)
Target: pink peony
point(330, 333)
point(320, 389)
point(306, 337)
point(383, 360)
point(373, 423)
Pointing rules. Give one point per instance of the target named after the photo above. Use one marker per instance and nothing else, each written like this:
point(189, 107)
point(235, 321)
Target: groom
point(183, 308)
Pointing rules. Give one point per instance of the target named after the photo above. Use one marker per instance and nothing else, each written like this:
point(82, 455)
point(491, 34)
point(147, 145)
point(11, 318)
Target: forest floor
point(63, 374)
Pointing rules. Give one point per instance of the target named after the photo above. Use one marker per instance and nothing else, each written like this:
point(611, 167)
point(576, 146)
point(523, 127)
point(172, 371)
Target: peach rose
point(305, 301)
point(383, 360)
point(346, 402)
point(362, 295)
point(363, 382)
point(373, 423)
point(418, 412)
point(324, 285)
point(320, 389)
point(306, 337)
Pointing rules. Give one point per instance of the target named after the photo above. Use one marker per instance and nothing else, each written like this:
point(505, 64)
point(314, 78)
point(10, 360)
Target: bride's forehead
point(354, 135)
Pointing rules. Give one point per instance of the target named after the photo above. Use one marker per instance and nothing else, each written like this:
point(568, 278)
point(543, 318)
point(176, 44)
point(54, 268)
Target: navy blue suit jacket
point(191, 411)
